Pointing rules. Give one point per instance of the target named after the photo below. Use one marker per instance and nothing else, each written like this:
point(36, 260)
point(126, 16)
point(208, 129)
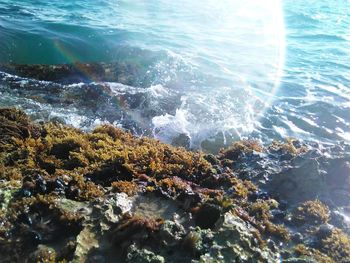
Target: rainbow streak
point(86, 72)
point(74, 61)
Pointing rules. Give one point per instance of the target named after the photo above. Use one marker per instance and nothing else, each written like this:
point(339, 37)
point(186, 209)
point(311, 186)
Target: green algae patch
point(16, 124)
point(59, 171)
point(337, 246)
point(130, 188)
point(310, 254)
point(238, 148)
point(89, 160)
point(6, 195)
point(312, 212)
point(260, 214)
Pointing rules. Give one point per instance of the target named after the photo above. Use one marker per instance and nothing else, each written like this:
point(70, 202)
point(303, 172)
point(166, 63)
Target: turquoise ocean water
point(213, 70)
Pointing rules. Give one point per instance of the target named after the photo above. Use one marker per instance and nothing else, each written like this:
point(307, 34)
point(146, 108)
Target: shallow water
point(213, 71)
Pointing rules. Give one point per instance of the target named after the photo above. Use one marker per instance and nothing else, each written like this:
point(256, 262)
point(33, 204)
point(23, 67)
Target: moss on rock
point(310, 254)
point(241, 147)
point(312, 212)
point(337, 246)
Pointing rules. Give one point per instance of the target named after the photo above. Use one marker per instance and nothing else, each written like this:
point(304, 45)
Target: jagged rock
point(136, 255)
point(112, 208)
point(234, 242)
point(86, 241)
point(171, 233)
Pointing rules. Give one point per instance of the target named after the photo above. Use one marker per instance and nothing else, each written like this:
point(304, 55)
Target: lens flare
point(245, 41)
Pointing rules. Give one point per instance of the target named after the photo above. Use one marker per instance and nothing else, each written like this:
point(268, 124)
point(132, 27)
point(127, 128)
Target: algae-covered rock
point(312, 212)
point(130, 188)
point(306, 254)
point(72, 73)
point(107, 196)
point(240, 148)
point(15, 124)
point(337, 246)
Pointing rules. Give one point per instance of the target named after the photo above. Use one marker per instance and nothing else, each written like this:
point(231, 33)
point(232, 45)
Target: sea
point(208, 72)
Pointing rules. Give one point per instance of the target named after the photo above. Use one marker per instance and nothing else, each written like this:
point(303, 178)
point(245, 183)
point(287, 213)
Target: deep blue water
point(217, 70)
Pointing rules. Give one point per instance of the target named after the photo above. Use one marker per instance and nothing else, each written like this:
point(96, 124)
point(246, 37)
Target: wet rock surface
point(107, 196)
point(78, 72)
point(295, 171)
point(83, 94)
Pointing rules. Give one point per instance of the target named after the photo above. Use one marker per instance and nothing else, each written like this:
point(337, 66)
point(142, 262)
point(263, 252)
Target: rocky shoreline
point(79, 72)
point(107, 196)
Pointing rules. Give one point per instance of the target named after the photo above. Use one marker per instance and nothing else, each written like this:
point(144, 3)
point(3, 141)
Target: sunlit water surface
point(215, 71)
